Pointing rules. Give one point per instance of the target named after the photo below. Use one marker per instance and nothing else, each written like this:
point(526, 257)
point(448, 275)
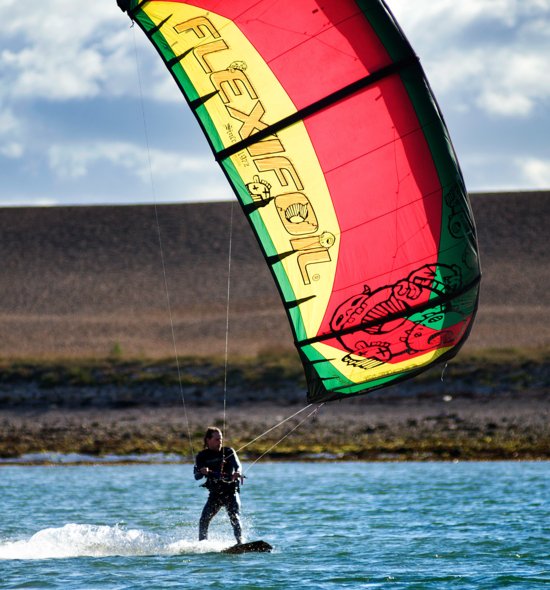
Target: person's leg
point(211, 508)
point(233, 510)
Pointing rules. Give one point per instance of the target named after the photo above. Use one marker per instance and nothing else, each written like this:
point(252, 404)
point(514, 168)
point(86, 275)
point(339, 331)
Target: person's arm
point(236, 465)
point(199, 468)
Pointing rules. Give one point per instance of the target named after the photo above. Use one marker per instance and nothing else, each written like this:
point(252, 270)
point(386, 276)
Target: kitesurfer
point(222, 469)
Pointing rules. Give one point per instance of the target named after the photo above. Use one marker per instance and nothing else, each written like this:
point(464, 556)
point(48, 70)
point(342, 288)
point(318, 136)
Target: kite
point(323, 121)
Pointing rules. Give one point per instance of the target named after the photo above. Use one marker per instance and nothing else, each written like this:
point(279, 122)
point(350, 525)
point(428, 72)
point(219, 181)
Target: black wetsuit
point(223, 492)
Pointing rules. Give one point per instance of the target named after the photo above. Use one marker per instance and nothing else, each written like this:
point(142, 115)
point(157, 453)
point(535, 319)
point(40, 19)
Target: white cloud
point(8, 122)
point(150, 176)
point(12, 150)
point(71, 161)
point(490, 55)
point(10, 128)
point(536, 172)
point(35, 74)
point(487, 61)
point(449, 19)
point(513, 84)
point(164, 163)
point(65, 50)
point(487, 53)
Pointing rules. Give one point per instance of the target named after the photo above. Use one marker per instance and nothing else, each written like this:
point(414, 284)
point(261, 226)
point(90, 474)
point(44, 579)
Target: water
point(339, 525)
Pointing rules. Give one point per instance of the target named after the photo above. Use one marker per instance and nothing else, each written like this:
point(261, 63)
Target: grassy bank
point(495, 370)
point(491, 405)
point(419, 440)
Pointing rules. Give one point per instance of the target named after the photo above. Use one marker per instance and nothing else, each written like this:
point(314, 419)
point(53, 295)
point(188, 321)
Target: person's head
point(213, 438)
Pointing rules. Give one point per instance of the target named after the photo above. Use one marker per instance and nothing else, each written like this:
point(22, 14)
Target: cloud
point(34, 74)
point(70, 89)
point(63, 50)
point(10, 128)
point(453, 18)
point(504, 85)
point(75, 160)
point(12, 150)
point(50, 51)
point(8, 123)
point(514, 84)
point(535, 171)
point(486, 55)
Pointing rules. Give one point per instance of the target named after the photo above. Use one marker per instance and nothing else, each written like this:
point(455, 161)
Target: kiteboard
point(252, 547)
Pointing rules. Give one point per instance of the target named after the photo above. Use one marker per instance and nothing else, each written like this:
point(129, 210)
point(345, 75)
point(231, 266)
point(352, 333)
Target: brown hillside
point(86, 281)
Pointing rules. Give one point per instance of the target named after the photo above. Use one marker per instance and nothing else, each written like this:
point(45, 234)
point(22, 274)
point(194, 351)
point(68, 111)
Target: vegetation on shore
point(93, 394)
point(506, 368)
point(115, 370)
point(413, 444)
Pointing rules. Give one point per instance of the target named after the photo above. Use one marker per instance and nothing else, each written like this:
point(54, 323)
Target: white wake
point(87, 540)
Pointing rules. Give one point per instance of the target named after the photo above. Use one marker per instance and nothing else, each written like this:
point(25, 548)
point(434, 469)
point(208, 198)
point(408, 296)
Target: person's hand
point(204, 470)
point(236, 476)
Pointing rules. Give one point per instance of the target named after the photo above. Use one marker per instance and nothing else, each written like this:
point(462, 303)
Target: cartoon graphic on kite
point(323, 122)
point(381, 314)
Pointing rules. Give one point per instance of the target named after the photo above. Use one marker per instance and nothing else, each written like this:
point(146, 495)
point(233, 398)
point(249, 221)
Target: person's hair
point(209, 432)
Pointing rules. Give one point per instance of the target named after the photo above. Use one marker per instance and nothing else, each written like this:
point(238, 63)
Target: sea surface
point(332, 525)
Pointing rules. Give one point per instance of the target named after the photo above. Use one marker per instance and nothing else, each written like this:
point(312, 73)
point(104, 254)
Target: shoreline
point(490, 406)
point(116, 462)
point(409, 429)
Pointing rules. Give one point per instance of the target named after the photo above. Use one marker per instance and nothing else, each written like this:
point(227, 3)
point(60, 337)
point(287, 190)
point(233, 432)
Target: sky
point(89, 114)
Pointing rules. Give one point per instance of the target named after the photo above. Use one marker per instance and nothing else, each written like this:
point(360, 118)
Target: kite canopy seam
point(314, 108)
